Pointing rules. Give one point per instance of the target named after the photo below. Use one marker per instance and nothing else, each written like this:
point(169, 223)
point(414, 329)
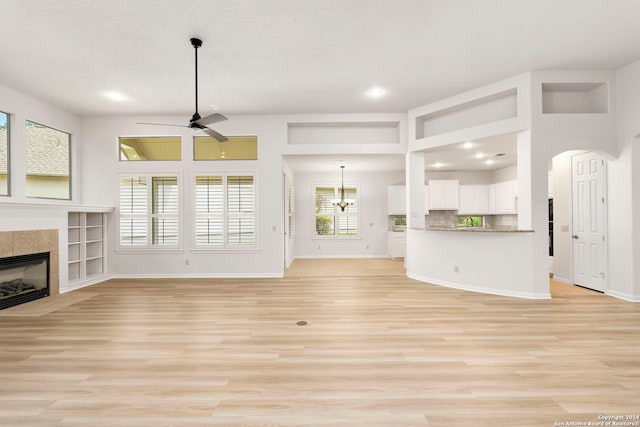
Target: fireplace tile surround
point(24, 242)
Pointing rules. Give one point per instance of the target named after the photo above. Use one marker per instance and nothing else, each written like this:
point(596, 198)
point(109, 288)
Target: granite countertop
point(477, 229)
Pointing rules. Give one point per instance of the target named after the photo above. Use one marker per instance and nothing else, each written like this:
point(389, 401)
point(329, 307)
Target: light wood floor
point(377, 351)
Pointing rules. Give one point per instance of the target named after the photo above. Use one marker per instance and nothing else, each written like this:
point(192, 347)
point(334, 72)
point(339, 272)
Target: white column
point(415, 190)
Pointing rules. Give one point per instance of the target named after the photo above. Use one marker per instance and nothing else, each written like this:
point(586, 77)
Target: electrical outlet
point(186, 262)
point(456, 269)
point(367, 247)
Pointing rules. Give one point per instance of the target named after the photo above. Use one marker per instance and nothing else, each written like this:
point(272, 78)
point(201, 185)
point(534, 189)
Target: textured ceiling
point(297, 56)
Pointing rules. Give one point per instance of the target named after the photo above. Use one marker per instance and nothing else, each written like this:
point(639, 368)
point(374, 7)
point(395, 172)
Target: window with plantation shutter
point(209, 210)
point(291, 210)
point(225, 213)
point(149, 211)
point(164, 215)
point(331, 221)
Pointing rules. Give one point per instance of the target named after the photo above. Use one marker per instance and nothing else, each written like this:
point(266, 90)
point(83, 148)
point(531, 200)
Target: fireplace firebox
point(23, 278)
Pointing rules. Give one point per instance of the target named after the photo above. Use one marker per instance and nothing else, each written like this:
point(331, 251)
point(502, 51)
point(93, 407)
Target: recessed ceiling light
point(375, 92)
point(115, 96)
point(489, 162)
point(438, 165)
point(468, 145)
point(479, 155)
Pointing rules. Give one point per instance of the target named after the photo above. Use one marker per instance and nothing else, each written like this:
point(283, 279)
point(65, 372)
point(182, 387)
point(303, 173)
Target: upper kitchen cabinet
point(503, 197)
point(396, 200)
point(474, 200)
point(444, 194)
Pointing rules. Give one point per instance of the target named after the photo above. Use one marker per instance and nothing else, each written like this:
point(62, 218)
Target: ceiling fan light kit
point(198, 122)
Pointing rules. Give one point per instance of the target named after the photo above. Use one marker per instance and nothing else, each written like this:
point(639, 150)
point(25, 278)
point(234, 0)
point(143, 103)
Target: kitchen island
point(491, 260)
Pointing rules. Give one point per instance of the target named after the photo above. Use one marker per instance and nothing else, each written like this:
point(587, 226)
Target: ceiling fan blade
point(219, 137)
point(213, 118)
point(161, 124)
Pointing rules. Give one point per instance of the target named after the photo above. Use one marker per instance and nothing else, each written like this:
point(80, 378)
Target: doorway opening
point(578, 220)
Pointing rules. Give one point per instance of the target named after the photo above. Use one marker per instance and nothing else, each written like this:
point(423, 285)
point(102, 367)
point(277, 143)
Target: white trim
point(339, 256)
point(622, 295)
point(504, 293)
point(201, 276)
point(84, 283)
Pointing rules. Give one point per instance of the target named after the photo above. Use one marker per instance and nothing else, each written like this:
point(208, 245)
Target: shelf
point(86, 245)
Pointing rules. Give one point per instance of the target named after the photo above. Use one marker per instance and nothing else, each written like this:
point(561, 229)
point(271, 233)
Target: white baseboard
point(83, 284)
point(201, 276)
point(623, 296)
point(464, 287)
point(341, 256)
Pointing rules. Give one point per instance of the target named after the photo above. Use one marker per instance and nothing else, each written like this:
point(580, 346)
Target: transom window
point(225, 211)
point(149, 211)
point(236, 148)
point(48, 162)
point(331, 221)
point(148, 148)
point(4, 154)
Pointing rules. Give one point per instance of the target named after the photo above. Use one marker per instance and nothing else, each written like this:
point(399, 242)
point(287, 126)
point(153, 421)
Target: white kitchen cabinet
point(396, 200)
point(474, 200)
point(503, 197)
point(396, 244)
point(444, 194)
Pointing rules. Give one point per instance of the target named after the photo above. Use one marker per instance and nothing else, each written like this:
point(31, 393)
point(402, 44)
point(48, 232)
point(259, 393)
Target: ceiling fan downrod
point(196, 43)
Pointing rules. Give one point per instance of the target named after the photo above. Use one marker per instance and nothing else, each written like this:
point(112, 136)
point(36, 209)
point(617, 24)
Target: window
point(149, 211)
point(48, 162)
point(236, 148)
point(330, 219)
point(225, 211)
point(141, 148)
point(290, 209)
point(470, 221)
point(4, 154)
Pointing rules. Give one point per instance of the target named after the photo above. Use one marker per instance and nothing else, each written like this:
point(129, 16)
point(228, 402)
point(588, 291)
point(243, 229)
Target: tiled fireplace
point(28, 266)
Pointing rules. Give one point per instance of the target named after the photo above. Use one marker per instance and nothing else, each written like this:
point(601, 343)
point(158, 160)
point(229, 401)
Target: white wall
point(372, 239)
point(100, 167)
point(624, 189)
point(17, 212)
point(540, 137)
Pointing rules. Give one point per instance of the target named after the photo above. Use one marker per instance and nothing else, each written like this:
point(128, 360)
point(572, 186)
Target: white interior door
point(589, 250)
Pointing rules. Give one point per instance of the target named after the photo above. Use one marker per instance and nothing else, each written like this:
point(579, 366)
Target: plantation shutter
point(348, 220)
point(240, 210)
point(325, 211)
point(133, 211)
point(209, 200)
point(165, 207)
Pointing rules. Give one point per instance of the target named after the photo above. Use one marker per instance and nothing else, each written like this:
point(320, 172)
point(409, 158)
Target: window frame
point(149, 246)
point(8, 151)
point(225, 246)
point(70, 165)
point(230, 140)
point(337, 213)
point(146, 161)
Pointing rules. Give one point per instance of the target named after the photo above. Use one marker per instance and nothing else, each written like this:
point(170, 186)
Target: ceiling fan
point(196, 121)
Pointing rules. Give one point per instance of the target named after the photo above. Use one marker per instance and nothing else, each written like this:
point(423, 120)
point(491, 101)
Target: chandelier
point(342, 202)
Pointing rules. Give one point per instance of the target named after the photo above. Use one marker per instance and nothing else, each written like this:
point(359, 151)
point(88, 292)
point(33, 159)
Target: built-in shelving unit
point(86, 231)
